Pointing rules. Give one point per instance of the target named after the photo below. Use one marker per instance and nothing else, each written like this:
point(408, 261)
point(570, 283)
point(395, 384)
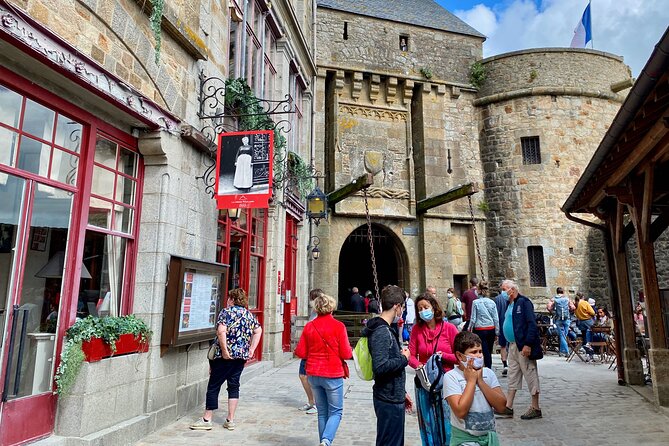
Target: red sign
point(244, 167)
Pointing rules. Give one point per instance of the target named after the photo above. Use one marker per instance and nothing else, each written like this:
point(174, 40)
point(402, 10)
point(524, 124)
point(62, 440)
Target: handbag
point(344, 364)
point(213, 349)
point(433, 370)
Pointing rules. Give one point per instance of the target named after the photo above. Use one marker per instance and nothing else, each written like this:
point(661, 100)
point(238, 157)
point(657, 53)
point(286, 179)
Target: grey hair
point(510, 283)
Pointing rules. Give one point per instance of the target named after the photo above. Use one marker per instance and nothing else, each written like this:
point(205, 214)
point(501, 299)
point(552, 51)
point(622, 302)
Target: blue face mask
point(505, 295)
point(426, 315)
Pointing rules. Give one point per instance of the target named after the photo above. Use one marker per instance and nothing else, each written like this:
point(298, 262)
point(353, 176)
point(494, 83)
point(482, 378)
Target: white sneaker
point(229, 425)
point(312, 410)
point(306, 407)
point(202, 425)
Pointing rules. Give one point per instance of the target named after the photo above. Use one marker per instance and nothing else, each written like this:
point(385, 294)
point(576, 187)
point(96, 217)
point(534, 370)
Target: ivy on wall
point(156, 17)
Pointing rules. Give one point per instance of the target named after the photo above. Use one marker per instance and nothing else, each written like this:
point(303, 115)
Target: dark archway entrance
point(355, 262)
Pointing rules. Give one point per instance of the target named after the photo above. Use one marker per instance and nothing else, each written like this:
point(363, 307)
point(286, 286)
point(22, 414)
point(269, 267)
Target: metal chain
point(371, 245)
point(476, 238)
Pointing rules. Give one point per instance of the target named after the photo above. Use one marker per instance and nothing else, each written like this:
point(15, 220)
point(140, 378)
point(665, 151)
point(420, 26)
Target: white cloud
point(629, 28)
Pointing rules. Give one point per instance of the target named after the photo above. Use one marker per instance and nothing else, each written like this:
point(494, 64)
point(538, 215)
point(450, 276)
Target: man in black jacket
point(388, 363)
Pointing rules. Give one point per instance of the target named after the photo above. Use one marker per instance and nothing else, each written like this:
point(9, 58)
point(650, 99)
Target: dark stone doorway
point(355, 262)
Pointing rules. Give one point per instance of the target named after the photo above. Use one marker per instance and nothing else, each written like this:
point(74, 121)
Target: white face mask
point(449, 294)
point(477, 364)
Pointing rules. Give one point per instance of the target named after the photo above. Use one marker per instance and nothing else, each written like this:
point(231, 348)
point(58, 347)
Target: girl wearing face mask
point(453, 308)
point(484, 322)
point(432, 333)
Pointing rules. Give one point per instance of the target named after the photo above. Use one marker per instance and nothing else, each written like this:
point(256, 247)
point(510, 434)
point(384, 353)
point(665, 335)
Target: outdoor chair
point(575, 349)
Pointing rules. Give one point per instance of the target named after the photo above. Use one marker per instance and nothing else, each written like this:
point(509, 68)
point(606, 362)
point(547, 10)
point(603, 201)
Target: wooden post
point(360, 183)
point(448, 196)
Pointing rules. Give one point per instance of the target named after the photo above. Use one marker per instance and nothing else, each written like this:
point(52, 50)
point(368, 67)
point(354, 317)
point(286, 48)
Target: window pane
point(99, 213)
point(68, 133)
point(123, 219)
point(254, 279)
point(103, 182)
point(8, 140)
point(64, 167)
point(34, 156)
point(104, 258)
point(38, 120)
point(105, 152)
point(128, 162)
point(10, 107)
point(125, 190)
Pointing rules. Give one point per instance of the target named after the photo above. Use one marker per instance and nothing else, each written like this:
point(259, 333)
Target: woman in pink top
point(432, 334)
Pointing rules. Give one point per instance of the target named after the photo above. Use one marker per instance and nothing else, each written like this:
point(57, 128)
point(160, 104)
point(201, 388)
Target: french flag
point(583, 31)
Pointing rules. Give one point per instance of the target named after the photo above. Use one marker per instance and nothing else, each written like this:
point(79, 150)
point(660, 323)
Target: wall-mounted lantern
point(233, 214)
point(317, 205)
point(315, 252)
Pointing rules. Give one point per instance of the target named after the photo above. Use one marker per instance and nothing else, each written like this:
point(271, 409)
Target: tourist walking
point(310, 406)
point(453, 308)
point(432, 334)
point(485, 322)
point(388, 363)
point(522, 335)
point(560, 307)
point(324, 344)
point(467, 299)
point(237, 337)
point(502, 304)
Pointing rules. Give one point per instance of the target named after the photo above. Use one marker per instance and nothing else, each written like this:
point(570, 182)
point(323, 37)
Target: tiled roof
point(424, 13)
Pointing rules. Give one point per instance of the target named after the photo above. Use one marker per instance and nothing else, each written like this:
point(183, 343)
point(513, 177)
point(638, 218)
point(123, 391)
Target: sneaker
point(531, 414)
point(508, 413)
point(505, 371)
point(229, 425)
point(306, 407)
point(202, 425)
point(324, 443)
point(312, 410)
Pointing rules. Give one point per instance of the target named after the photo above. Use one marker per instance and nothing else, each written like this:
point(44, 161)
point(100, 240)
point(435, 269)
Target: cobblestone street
point(582, 405)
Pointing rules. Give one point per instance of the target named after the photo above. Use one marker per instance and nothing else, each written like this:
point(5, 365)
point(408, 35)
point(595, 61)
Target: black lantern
point(315, 252)
point(317, 205)
point(233, 214)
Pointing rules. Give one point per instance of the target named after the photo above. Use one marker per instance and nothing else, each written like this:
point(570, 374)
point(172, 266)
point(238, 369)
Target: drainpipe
point(608, 250)
point(242, 72)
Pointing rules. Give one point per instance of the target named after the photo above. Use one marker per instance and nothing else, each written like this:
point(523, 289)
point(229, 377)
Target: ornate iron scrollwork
point(221, 118)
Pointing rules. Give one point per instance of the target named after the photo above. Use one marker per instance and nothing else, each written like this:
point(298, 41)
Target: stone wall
point(373, 45)
point(524, 199)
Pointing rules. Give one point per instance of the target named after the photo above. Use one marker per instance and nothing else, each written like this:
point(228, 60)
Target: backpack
point(362, 359)
point(373, 306)
point(458, 307)
point(431, 374)
point(561, 309)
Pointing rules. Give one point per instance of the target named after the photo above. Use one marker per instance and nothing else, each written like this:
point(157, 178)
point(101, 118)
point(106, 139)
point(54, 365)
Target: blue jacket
point(525, 327)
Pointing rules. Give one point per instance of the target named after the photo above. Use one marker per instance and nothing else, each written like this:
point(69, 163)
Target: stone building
point(104, 157)
point(395, 99)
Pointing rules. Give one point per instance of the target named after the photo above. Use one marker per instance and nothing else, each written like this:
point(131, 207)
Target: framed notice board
point(192, 301)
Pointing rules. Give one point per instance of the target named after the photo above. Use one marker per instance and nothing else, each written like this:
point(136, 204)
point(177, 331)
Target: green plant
point(483, 206)
point(533, 75)
point(300, 175)
point(242, 102)
point(156, 17)
point(109, 329)
point(477, 74)
point(426, 72)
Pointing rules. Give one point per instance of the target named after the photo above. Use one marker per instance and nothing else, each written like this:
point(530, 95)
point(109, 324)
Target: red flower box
point(97, 349)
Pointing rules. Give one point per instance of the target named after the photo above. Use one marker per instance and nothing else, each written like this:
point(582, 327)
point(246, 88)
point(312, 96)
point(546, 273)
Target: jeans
point(487, 342)
point(563, 329)
point(389, 423)
point(329, 396)
point(584, 326)
point(223, 370)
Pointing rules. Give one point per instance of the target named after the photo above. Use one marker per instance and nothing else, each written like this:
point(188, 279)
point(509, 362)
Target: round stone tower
point(543, 113)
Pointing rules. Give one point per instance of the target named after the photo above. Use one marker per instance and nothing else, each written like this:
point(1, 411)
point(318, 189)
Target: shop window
point(37, 139)
point(535, 257)
point(531, 150)
point(111, 230)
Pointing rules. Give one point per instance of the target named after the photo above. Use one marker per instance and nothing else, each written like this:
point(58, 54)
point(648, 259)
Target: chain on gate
point(476, 238)
point(371, 245)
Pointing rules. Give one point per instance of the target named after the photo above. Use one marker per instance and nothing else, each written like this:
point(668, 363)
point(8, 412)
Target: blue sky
point(628, 28)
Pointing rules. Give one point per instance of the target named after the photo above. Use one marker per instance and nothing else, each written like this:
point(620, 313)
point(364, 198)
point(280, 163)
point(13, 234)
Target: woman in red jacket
point(432, 334)
point(324, 344)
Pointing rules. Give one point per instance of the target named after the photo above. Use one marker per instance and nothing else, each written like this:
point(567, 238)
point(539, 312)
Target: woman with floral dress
point(237, 336)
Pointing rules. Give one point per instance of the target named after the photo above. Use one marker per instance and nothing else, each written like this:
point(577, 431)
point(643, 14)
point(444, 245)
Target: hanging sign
point(244, 167)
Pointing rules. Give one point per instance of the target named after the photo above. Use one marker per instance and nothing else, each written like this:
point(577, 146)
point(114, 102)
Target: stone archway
point(355, 263)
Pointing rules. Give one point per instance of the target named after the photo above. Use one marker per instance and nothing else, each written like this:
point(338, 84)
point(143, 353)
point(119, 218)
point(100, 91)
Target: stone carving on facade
point(373, 113)
point(386, 192)
point(60, 53)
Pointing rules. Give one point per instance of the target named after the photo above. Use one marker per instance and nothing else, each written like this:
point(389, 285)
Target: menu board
point(198, 305)
point(192, 300)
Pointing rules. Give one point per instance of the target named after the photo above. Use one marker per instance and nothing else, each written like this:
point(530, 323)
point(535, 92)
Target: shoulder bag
point(432, 371)
point(344, 364)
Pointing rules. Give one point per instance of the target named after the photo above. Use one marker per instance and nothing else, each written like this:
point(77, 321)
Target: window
point(404, 43)
point(345, 31)
point(111, 229)
point(531, 150)
point(535, 257)
point(296, 95)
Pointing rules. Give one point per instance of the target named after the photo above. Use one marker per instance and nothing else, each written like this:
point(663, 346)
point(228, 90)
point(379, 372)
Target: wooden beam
point(360, 183)
point(448, 196)
point(659, 225)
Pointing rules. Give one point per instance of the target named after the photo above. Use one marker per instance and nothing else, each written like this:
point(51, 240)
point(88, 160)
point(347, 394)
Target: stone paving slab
point(582, 404)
